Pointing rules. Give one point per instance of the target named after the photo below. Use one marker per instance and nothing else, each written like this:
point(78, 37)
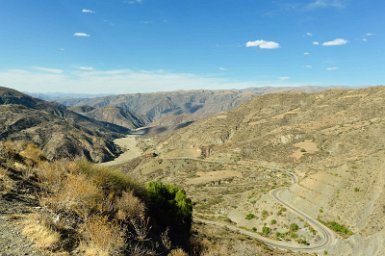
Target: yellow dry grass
point(177, 252)
point(37, 228)
point(77, 194)
point(101, 237)
point(129, 206)
point(6, 184)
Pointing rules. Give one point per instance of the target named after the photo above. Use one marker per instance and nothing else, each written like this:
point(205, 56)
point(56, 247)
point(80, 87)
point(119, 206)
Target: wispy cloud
point(118, 81)
point(315, 43)
point(365, 38)
point(81, 34)
point(309, 34)
point(263, 44)
point(222, 69)
point(306, 53)
point(88, 11)
point(84, 68)
point(331, 68)
point(308, 66)
point(48, 70)
point(316, 4)
point(284, 78)
point(133, 1)
point(335, 42)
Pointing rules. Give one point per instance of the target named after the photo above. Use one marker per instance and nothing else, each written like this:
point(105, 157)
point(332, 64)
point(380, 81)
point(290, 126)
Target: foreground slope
point(331, 140)
point(60, 132)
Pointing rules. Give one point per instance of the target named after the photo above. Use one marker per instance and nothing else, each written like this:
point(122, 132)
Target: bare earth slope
point(332, 140)
point(60, 132)
point(166, 108)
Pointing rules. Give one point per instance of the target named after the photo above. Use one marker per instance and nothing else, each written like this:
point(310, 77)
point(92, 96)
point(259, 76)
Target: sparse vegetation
point(294, 227)
point(100, 211)
point(266, 231)
point(339, 228)
point(250, 216)
point(265, 214)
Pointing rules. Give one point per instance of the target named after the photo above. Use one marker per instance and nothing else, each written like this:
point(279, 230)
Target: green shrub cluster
point(172, 208)
point(250, 216)
point(338, 227)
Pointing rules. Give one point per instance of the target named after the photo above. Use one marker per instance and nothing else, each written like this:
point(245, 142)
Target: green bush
point(250, 216)
point(172, 208)
point(338, 228)
point(294, 227)
point(266, 231)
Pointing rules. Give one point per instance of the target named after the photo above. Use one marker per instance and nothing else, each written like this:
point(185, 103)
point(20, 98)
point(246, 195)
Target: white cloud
point(331, 68)
point(61, 49)
point(308, 66)
point(116, 81)
point(84, 68)
point(81, 34)
point(309, 34)
point(284, 78)
point(89, 11)
point(335, 42)
point(222, 69)
point(370, 34)
point(317, 4)
point(263, 44)
point(364, 40)
point(315, 43)
point(48, 70)
point(306, 53)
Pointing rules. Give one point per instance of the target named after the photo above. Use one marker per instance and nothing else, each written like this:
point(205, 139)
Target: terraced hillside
point(331, 141)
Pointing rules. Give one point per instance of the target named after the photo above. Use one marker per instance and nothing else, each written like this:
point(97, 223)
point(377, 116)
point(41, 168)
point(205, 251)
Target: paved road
point(327, 236)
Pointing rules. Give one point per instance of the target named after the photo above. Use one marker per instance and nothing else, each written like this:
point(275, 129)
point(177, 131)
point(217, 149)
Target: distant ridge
point(168, 108)
point(61, 133)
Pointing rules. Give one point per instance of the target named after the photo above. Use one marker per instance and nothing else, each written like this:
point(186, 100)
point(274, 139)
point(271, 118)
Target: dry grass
point(32, 152)
point(6, 183)
point(99, 201)
point(129, 206)
point(101, 237)
point(177, 252)
point(38, 229)
point(77, 194)
point(108, 178)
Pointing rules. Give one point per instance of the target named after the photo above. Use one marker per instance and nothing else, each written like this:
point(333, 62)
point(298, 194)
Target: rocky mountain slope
point(332, 141)
point(166, 108)
point(61, 133)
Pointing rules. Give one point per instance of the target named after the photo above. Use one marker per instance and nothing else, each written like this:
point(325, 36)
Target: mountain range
point(60, 132)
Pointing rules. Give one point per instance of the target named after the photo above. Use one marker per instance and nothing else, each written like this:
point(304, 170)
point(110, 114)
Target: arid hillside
point(61, 133)
point(331, 143)
point(166, 108)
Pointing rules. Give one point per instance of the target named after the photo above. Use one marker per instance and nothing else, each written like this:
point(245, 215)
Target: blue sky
point(125, 46)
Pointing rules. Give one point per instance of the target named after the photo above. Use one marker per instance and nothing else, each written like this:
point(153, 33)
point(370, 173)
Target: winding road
point(327, 236)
